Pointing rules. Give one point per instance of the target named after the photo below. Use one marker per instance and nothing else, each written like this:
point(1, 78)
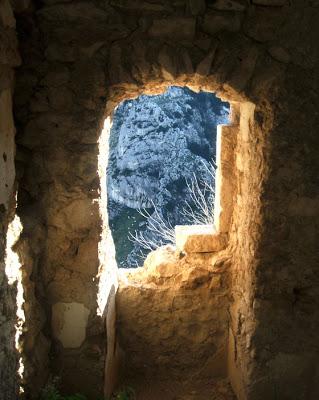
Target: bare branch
point(198, 210)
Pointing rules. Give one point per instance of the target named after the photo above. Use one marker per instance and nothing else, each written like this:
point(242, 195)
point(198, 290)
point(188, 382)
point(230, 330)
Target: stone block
point(186, 62)
point(226, 139)
point(69, 322)
point(60, 99)
point(138, 5)
point(161, 263)
point(215, 23)
point(61, 52)
point(263, 23)
point(7, 131)
point(279, 54)
point(173, 27)
point(229, 5)
point(6, 77)
point(57, 76)
point(167, 61)
point(76, 215)
point(20, 5)
point(9, 54)
point(272, 3)
point(117, 69)
point(244, 70)
point(6, 14)
point(199, 239)
point(204, 66)
point(86, 260)
point(197, 7)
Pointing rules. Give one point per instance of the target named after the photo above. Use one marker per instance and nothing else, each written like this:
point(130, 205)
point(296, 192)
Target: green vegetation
point(125, 394)
point(128, 220)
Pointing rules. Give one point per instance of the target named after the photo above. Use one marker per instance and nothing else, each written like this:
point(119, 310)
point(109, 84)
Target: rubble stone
point(199, 239)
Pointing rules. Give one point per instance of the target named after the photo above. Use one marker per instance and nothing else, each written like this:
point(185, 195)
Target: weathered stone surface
point(216, 23)
point(60, 99)
point(280, 54)
point(197, 7)
point(304, 206)
point(270, 2)
point(165, 307)
point(243, 72)
point(225, 185)
point(75, 215)
point(167, 61)
point(229, 5)
point(7, 132)
point(263, 23)
point(138, 5)
point(161, 264)
point(87, 261)
point(9, 47)
point(61, 52)
point(6, 77)
point(57, 76)
point(69, 322)
point(204, 67)
point(179, 27)
point(20, 5)
point(199, 239)
point(117, 70)
point(79, 11)
point(142, 67)
point(6, 14)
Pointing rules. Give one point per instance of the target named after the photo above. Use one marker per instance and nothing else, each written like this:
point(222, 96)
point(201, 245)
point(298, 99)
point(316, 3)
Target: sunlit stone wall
point(9, 58)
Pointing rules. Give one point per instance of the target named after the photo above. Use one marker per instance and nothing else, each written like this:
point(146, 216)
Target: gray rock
point(156, 144)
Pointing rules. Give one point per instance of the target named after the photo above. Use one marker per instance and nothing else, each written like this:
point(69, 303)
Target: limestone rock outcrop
point(157, 145)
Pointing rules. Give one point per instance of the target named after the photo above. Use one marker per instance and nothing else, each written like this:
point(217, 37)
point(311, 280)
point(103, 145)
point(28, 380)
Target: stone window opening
point(204, 244)
point(170, 185)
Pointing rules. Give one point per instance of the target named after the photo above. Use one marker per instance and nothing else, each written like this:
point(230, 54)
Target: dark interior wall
point(278, 316)
point(59, 108)
point(78, 54)
point(286, 311)
point(9, 58)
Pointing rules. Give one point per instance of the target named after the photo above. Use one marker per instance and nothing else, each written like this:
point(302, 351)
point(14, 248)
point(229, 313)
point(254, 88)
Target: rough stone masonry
point(79, 60)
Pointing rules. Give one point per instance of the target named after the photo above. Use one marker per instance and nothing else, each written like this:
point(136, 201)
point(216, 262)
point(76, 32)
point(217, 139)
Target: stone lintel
point(199, 239)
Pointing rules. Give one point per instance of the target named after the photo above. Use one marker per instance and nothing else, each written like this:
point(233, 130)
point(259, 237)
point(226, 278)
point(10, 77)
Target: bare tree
point(163, 230)
point(197, 210)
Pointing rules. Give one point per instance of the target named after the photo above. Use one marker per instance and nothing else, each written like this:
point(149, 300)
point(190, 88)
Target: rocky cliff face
point(157, 145)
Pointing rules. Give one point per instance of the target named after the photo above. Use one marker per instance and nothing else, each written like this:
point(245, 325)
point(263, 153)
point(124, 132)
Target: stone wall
point(79, 60)
point(172, 316)
point(9, 58)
